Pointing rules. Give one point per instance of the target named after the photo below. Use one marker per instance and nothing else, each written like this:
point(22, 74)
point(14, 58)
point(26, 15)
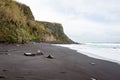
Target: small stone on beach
point(50, 57)
point(93, 79)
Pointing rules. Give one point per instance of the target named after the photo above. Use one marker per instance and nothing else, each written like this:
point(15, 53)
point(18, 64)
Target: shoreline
point(66, 65)
point(103, 53)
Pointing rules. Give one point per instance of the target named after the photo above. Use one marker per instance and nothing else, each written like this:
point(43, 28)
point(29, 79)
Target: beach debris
point(50, 57)
point(1, 77)
point(92, 63)
point(93, 79)
point(29, 54)
point(39, 52)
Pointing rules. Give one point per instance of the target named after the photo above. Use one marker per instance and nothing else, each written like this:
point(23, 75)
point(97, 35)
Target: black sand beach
point(66, 65)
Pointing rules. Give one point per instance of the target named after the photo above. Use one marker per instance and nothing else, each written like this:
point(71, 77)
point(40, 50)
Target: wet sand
point(66, 65)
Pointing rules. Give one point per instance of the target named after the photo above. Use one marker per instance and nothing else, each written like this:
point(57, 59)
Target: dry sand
point(66, 65)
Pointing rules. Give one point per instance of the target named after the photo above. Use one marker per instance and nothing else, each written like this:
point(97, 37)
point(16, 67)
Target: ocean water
point(104, 51)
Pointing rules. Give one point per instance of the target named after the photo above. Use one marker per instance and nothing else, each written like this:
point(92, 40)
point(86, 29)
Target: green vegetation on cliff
point(17, 25)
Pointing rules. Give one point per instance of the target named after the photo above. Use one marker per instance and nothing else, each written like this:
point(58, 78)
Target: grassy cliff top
point(17, 25)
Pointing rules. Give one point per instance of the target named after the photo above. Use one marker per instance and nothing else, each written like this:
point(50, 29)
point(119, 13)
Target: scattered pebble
point(93, 79)
point(50, 57)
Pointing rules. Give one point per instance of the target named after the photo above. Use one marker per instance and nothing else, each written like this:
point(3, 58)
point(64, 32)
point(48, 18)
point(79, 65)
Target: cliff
point(17, 25)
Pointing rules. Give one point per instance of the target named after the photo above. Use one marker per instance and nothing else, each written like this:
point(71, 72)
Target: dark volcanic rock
point(50, 57)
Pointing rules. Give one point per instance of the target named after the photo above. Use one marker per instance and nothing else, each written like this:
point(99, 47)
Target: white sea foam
point(104, 51)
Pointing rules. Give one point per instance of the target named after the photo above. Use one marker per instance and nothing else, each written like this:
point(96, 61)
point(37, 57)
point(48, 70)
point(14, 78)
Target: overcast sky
point(82, 20)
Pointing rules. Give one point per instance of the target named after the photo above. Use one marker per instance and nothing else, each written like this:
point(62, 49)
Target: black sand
point(66, 65)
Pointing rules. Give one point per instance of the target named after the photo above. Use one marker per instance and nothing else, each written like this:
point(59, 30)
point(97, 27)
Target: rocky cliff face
point(17, 25)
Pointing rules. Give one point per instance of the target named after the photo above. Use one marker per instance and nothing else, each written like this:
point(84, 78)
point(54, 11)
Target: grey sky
point(83, 20)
